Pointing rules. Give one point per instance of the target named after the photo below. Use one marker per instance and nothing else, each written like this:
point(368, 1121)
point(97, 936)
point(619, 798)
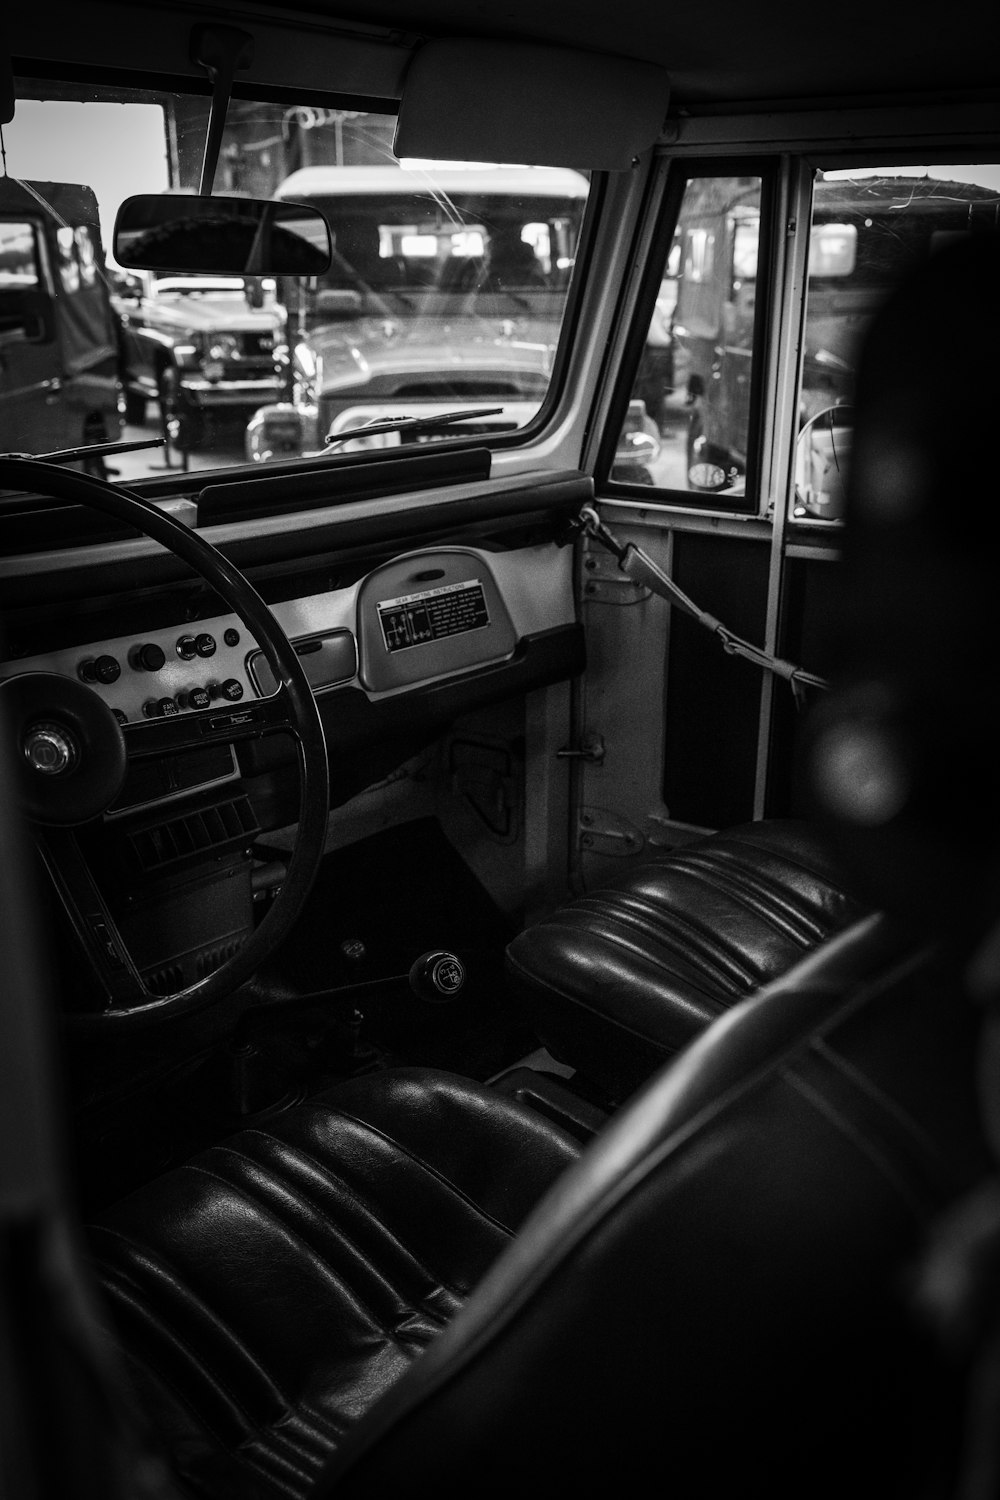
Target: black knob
point(437, 976)
point(231, 637)
point(147, 658)
point(231, 689)
point(107, 669)
point(186, 647)
point(159, 708)
point(205, 644)
point(103, 669)
point(198, 697)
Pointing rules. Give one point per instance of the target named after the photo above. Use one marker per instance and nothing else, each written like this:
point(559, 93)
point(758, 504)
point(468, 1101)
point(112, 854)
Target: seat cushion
point(270, 1289)
point(620, 979)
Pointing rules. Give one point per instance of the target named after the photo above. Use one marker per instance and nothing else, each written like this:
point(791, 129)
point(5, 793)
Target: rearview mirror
point(221, 236)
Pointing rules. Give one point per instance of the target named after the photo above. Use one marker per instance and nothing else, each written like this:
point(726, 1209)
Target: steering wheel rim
point(292, 709)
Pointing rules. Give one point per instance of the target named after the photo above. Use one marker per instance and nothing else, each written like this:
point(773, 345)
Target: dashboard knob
point(147, 658)
point(198, 697)
point(102, 669)
point(186, 647)
point(107, 669)
point(205, 644)
point(159, 708)
point(231, 690)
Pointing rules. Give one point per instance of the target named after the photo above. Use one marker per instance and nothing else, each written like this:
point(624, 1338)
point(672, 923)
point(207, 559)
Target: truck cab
point(458, 1031)
point(60, 384)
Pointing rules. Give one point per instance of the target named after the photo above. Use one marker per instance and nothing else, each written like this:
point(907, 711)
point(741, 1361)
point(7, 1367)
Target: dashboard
point(419, 620)
point(405, 615)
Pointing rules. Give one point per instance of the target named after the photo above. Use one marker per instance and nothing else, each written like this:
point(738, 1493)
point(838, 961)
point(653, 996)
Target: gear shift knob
point(437, 976)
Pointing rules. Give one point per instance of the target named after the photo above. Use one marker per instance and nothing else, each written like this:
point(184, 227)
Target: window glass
point(687, 427)
point(868, 227)
point(447, 290)
point(18, 276)
point(18, 258)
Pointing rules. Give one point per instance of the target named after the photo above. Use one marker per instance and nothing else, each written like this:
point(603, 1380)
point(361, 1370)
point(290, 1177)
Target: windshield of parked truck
point(448, 284)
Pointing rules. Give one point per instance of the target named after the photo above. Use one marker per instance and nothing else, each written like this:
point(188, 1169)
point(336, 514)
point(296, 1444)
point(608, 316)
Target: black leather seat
point(268, 1291)
point(705, 1290)
point(616, 981)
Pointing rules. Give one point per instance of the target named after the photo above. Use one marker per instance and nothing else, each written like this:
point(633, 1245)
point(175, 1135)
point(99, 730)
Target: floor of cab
point(376, 907)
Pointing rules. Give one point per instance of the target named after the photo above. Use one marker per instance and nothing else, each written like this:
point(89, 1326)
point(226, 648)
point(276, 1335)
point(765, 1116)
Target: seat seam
point(199, 1416)
point(797, 914)
point(419, 1161)
point(709, 969)
point(602, 1015)
point(360, 1203)
point(213, 1317)
point(262, 1206)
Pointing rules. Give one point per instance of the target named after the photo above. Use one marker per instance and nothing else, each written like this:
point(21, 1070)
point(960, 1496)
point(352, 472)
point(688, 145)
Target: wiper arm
point(89, 450)
point(411, 424)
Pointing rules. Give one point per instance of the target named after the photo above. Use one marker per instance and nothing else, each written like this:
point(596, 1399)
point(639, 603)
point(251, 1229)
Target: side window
point(868, 227)
point(19, 276)
point(688, 426)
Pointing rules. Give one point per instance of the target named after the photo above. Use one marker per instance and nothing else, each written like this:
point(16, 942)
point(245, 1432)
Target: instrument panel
point(425, 616)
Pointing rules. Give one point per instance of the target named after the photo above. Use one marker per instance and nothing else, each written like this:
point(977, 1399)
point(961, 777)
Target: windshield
point(447, 288)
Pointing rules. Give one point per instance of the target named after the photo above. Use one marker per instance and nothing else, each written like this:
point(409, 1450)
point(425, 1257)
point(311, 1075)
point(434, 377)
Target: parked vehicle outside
point(866, 231)
point(447, 290)
point(203, 347)
point(59, 353)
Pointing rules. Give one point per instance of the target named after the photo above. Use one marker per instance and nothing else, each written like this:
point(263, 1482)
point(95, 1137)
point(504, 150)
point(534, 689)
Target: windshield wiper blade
point(411, 424)
point(89, 450)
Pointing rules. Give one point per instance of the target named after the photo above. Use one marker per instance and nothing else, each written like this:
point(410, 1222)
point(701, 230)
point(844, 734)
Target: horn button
point(73, 758)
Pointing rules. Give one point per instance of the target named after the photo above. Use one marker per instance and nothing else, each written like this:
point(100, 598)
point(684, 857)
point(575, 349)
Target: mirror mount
point(222, 51)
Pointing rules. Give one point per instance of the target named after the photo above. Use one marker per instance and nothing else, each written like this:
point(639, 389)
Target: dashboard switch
point(205, 644)
point(187, 647)
point(198, 697)
point(104, 669)
point(159, 708)
point(231, 690)
point(107, 669)
point(147, 658)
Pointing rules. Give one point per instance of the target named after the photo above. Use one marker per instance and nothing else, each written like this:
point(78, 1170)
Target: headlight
point(223, 346)
point(280, 431)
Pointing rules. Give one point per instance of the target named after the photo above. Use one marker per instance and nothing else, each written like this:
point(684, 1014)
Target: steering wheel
point(75, 754)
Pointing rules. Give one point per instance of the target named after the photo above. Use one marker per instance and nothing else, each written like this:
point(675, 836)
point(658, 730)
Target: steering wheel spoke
point(77, 755)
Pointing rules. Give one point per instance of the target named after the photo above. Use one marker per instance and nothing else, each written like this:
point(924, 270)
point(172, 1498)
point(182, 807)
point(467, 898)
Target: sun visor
point(480, 100)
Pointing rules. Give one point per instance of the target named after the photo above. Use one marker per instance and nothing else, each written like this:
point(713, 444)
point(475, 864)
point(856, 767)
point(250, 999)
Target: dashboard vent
point(226, 825)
